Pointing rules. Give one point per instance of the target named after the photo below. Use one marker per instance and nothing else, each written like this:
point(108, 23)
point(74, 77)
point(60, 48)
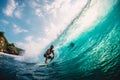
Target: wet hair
point(51, 46)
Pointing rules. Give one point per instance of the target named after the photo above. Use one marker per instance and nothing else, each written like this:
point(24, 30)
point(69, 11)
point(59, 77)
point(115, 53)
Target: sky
point(33, 24)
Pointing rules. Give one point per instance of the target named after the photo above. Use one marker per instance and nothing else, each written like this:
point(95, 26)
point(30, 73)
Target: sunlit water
point(90, 55)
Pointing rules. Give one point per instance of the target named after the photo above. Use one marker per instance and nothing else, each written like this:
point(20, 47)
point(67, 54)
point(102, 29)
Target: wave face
point(93, 54)
point(89, 49)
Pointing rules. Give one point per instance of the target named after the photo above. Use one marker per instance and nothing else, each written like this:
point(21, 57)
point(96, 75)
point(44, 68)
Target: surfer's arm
point(53, 52)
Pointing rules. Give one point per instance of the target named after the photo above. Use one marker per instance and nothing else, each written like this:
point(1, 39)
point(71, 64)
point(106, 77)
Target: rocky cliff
point(7, 47)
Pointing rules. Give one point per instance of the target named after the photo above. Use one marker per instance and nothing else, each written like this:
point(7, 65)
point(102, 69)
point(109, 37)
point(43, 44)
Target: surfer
point(47, 54)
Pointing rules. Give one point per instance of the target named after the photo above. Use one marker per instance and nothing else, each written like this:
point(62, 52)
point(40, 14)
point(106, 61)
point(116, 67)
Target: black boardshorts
point(49, 57)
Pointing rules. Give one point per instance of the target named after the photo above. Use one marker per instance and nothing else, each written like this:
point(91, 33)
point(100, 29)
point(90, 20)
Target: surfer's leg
point(47, 57)
point(51, 58)
point(46, 60)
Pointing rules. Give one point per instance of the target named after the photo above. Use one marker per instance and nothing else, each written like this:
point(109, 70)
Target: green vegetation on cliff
point(7, 47)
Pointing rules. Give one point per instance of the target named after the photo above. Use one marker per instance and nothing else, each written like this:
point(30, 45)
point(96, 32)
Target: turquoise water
point(94, 54)
point(91, 55)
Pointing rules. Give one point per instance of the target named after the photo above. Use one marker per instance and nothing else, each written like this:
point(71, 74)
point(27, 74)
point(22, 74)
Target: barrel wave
point(93, 54)
point(88, 49)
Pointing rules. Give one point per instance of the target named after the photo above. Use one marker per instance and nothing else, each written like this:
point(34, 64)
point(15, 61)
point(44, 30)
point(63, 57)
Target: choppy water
point(91, 55)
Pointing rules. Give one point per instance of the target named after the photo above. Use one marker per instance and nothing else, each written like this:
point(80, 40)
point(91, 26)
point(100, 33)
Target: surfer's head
point(51, 46)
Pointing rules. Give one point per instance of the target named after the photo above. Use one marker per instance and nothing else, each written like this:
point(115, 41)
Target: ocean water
point(93, 54)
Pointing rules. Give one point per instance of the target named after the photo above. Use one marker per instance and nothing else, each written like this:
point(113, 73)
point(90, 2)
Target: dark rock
point(7, 47)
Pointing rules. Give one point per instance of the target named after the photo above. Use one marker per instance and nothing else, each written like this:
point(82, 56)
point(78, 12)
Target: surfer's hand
point(53, 57)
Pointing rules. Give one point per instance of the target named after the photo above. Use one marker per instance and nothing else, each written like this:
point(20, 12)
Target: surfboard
point(42, 64)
